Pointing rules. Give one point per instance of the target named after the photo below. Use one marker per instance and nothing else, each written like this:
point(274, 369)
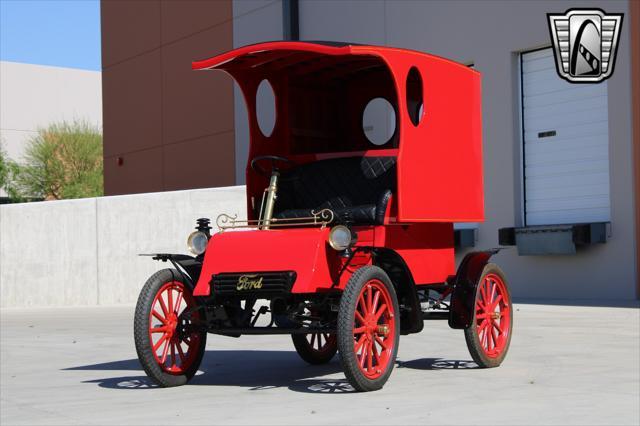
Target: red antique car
point(349, 240)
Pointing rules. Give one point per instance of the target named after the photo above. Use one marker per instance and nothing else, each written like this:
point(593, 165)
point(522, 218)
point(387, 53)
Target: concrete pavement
point(567, 365)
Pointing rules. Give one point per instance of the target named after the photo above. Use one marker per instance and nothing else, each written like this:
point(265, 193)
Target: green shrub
point(62, 161)
point(9, 169)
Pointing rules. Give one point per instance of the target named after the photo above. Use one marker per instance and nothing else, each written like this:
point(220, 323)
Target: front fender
point(465, 284)
point(188, 266)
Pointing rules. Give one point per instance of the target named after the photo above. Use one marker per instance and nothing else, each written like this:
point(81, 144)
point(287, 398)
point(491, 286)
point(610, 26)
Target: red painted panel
point(426, 248)
point(304, 250)
point(440, 162)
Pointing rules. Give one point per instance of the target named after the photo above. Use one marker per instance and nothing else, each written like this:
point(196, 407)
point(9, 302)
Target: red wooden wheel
point(493, 315)
point(374, 329)
point(321, 342)
point(368, 328)
point(174, 346)
point(489, 335)
point(315, 348)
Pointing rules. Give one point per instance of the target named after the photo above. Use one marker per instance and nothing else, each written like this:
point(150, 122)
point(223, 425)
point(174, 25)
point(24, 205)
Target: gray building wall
point(35, 96)
point(254, 21)
point(491, 35)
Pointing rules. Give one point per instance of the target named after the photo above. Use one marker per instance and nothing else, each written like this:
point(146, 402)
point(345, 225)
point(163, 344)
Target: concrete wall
point(85, 252)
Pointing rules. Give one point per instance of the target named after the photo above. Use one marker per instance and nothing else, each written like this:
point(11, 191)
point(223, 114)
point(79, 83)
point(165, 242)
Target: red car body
point(346, 239)
point(439, 161)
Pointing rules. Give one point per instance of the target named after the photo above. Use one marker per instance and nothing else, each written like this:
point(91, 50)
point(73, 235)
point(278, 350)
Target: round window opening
point(415, 105)
point(379, 121)
point(266, 108)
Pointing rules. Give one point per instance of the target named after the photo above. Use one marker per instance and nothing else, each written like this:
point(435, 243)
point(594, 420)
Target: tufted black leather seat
point(356, 189)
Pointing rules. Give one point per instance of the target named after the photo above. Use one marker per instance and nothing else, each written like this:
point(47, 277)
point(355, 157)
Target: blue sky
point(64, 33)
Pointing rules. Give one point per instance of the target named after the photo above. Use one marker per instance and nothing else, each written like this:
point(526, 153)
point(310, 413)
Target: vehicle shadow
point(252, 369)
point(436, 364)
point(257, 370)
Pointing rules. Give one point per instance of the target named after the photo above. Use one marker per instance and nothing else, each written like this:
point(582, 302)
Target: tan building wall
point(166, 127)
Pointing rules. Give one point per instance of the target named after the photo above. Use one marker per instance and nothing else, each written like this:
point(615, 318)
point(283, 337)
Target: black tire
point(305, 345)
point(144, 341)
point(473, 337)
point(346, 324)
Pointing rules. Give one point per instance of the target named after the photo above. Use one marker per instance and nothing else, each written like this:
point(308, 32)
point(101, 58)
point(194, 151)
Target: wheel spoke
point(382, 343)
point(363, 356)
point(376, 357)
point(178, 302)
point(319, 341)
point(493, 293)
point(376, 299)
point(381, 311)
point(359, 344)
point(486, 339)
point(165, 351)
point(173, 353)
point(163, 306)
point(313, 339)
point(162, 329)
point(483, 324)
point(494, 337)
point(370, 356)
point(159, 342)
point(359, 317)
point(181, 354)
point(496, 302)
point(170, 299)
point(359, 330)
point(369, 299)
point(162, 319)
point(363, 305)
point(483, 292)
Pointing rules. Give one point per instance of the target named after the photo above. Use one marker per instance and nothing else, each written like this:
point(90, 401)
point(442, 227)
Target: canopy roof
point(321, 90)
point(296, 56)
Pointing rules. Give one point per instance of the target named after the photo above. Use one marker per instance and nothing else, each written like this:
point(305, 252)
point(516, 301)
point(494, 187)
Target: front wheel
point(168, 341)
point(489, 335)
point(368, 329)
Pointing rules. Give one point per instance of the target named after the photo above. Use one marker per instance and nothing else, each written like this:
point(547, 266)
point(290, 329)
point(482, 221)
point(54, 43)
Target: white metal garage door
point(566, 145)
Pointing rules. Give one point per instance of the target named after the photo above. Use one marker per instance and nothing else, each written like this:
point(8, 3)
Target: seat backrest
point(337, 183)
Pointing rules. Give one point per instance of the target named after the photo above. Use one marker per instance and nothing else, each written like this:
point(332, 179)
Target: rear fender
point(188, 266)
point(465, 284)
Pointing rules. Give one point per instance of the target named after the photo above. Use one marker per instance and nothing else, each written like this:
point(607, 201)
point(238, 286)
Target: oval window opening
point(379, 121)
point(415, 105)
point(266, 108)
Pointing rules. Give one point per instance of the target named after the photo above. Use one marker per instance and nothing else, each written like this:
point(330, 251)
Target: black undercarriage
point(263, 312)
point(273, 309)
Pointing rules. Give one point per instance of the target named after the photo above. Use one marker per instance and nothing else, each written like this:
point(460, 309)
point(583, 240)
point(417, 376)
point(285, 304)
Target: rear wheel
point(489, 335)
point(315, 348)
point(169, 344)
point(368, 329)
